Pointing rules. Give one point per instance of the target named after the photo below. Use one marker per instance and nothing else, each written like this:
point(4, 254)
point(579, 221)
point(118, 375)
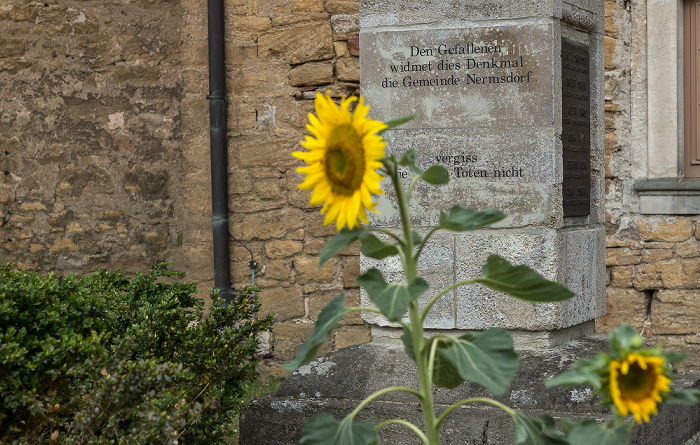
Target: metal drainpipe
point(217, 144)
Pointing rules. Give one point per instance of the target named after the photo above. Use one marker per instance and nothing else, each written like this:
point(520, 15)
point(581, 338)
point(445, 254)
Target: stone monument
point(508, 95)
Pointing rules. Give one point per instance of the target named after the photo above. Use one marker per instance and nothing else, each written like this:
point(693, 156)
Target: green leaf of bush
point(436, 175)
point(460, 219)
point(323, 429)
point(487, 358)
point(521, 282)
point(373, 247)
point(328, 319)
point(339, 243)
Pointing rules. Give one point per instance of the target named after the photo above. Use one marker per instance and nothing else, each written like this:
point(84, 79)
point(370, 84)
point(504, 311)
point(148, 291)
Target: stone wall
point(90, 134)
point(279, 54)
point(104, 150)
point(653, 262)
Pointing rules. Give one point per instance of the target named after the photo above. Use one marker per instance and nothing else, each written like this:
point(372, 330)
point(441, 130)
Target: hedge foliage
point(109, 358)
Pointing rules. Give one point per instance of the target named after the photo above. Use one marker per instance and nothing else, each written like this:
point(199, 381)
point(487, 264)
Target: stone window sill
point(668, 196)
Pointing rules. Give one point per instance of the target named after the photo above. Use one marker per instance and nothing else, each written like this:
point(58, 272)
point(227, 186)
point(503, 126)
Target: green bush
point(109, 358)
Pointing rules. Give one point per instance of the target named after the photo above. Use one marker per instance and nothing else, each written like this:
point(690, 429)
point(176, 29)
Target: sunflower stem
point(410, 262)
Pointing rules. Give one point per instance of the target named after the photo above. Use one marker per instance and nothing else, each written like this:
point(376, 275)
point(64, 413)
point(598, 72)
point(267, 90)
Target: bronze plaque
point(576, 128)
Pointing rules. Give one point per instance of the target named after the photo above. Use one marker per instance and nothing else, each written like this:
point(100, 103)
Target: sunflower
point(342, 160)
point(636, 384)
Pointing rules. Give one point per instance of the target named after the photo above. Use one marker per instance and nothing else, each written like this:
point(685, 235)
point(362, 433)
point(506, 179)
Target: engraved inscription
point(576, 131)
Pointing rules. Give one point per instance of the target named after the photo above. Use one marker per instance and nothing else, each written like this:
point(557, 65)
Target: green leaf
point(623, 340)
point(417, 287)
point(396, 122)
point(328, 319)
point(681, 396)
point(339, 243)
point(323, 429)
point(373, 247)
point(583, 372)
point(373, 282)
point(408, 344)
point(445, 374)
point(415, 238)
point(408, 158)
point(392, 300)
point(589, 431)
point(436, 175)
point(487, 358)
point(461, 220)
point(521, 282)
point(529, 431)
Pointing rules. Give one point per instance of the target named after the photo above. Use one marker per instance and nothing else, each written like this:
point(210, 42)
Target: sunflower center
point(638, 383)
point(344, 162)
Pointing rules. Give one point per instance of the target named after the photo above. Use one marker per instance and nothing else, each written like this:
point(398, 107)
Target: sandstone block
point(656, 255)
point(282, 249)
point(622, 257)
point(310, 42)
point(354, 45)
point(279, 270)
point(609, 44)
point(342, 7)
point(267, 225)
point(286, 302)
point(290, 336)
point(351, 335)
point(312, 73)
point(307, 270)
point(688, 249)
point(307, 5)
point(348, 69)
point(250, 23)
point(341, 48)
point(622, 276)
point(678, 343)
point(676, 311)
point(314, 246)
point(351, 271)
point(622, 306)
point(680, 274)
point(261, 150)
point(345, 24)
point(318, 300)
point(669, 230)
point(646, 277)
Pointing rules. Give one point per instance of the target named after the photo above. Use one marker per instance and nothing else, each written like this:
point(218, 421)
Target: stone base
point(336, 382)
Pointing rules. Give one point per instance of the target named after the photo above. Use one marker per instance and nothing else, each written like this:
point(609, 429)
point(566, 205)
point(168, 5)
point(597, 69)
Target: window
point(691, 97)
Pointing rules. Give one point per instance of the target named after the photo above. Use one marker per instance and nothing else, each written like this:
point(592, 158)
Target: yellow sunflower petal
point(342, 160)
point(636, 384)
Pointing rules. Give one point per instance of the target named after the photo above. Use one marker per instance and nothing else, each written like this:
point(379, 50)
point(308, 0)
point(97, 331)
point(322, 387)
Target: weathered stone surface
point(290, 336)
point(623, 306)
point(312, 73)
point(335, 383)
point(282, 249)
point(342, 7)
point(306, 43)
point(307, 270)
point(622, 257)
point(348, 69)
point(670, 230)
point(675, 311)
point(286, 302)
point(345, 24)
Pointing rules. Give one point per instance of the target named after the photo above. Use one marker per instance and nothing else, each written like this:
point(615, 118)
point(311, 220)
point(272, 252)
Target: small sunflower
point(342, 160)
point(637, 383)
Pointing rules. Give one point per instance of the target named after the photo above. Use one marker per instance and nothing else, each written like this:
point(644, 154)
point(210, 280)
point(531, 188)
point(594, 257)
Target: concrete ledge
point(336, 382)
point(668, 196)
